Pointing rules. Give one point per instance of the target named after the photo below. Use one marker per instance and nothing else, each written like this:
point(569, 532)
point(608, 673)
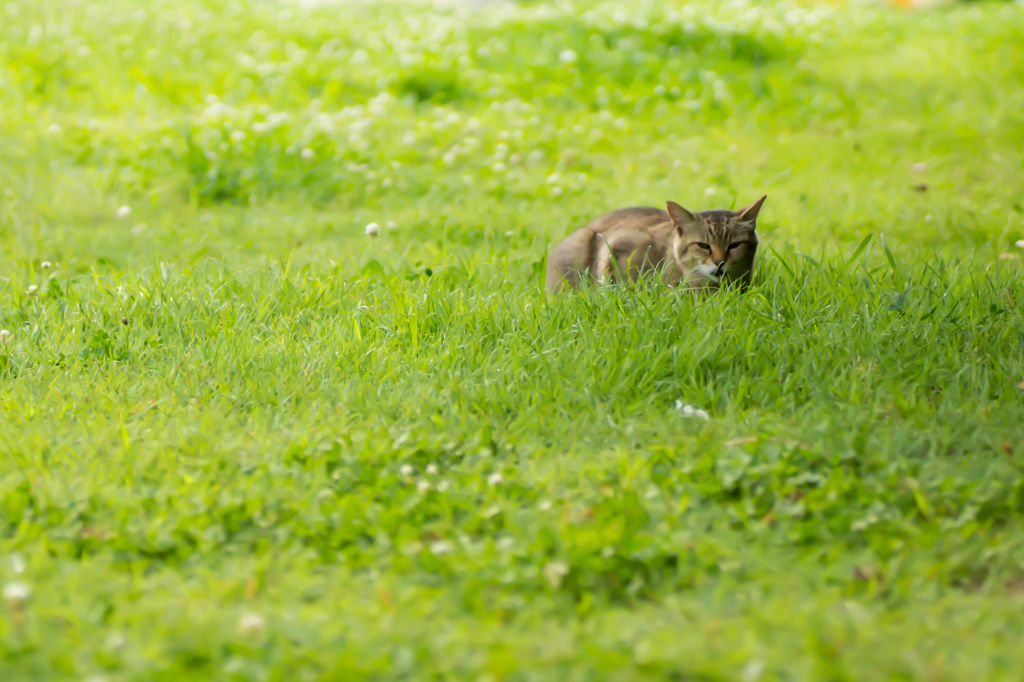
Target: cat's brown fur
point(694, 250)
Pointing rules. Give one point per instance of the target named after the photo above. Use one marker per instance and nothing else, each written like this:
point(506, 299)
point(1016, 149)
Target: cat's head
point(713, 246)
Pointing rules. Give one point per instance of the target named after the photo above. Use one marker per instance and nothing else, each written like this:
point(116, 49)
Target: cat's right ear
point(680, 216)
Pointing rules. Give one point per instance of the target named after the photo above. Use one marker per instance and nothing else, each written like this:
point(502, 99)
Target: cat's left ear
point(680, 216)
point(749, 214)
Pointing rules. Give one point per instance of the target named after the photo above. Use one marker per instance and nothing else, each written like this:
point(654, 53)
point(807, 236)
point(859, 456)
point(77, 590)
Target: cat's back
point(653, 221)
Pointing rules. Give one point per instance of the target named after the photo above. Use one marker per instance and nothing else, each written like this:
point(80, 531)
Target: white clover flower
point(509, 234)
point(554, 571)
point(308, 154)
point(54, 129)
point(495, 479)
point(432, 469)
point(709, 192)
point(32, 289)
point(372, 231)
point(251, 624)
point(4, 335)
point(406, 470)
point(439, 547)
point(46, 264)
point(1019, 243)
point(928, 218)
point(691, 411)
point(544, 505)
point(124, 212)
point(423, 487)
point(16, 593)
point(567, 57)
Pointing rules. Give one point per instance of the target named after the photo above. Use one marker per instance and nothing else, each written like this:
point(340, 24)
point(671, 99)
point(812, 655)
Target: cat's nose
point(720, 268)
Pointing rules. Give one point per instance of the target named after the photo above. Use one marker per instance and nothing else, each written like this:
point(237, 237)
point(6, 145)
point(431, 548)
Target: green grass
point(412, 465)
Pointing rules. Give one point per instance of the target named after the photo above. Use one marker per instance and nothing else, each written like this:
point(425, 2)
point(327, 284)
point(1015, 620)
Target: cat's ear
point(680, 216)
point(749, 214)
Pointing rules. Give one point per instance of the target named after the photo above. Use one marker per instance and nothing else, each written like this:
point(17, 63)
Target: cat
point(677, 247)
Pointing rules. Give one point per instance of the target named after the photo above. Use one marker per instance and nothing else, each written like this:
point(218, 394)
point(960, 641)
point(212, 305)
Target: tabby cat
point(677, 247)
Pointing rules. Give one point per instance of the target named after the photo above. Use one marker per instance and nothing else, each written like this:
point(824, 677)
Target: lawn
point(240, 439)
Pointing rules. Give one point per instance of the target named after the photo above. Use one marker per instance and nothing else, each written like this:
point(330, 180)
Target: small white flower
point(124, 212)
point(391, 225)
point(545, 505)
point(920, 167)
point(691, 411)
point(372, 230)
point(443, 486)
point(54, 129)
point(16, 593)
point(567, 57)
point(251, 624)
point(1020, 243)
point(439, 547)
point(308, 154)
point(406, 470)
point(509, 234)
point(32, 289)
point(423, 487)
point(709, 192)
point(46, 264)
point(4, 335)
point(928, 218)
point(495, 479)
point(554, 571)
point(432, 469)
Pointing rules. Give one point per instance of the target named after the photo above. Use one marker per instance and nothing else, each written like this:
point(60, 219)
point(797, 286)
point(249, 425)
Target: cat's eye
point(735, 244)
point(704, 246)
